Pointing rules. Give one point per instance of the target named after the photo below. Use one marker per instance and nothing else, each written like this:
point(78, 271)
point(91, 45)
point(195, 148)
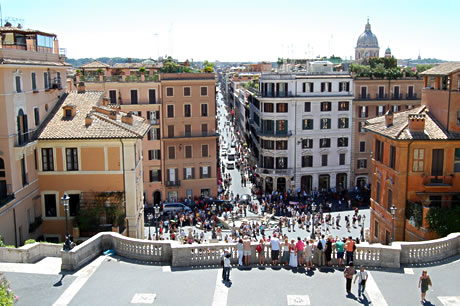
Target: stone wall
point(30, 253)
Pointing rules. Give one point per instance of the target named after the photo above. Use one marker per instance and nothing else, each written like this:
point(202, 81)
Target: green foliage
point(170, 66)
point(379, 71)
point(414, 213)
point(7, 296)
point(444, 220)
point(78, 71)
point(29, 241)
point(142, 69)
point(208, 67)
point(100, 70)
point(423, 67)
point(361, 70)
point(394, 73)
point(388, 62)
point(2, 244)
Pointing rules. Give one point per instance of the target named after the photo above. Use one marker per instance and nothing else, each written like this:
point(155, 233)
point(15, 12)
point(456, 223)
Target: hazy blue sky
point(235, 30)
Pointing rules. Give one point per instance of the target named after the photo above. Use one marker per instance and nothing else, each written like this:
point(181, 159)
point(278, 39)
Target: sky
point(236, 30)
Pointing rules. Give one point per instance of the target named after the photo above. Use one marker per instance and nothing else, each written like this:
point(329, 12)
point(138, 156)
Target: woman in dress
point(292, 254)
point(423, 284)
point(328, 251)
point(285, 258)
point(308, 253)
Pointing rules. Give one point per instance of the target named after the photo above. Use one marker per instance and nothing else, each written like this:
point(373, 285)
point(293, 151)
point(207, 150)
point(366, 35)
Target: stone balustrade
point(179, 255)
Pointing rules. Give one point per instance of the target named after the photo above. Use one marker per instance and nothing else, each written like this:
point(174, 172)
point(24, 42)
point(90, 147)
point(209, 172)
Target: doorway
point(281, 184)
point(156, 197)
point(306, 183)
point(324, 181)
point(269, 184)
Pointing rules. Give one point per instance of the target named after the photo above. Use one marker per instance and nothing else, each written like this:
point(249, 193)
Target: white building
point(301, 129)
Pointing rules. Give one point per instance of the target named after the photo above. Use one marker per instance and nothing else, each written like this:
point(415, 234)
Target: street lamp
point(393, 213)
point(213, 209)
point(150, 217)
point(65, 201)
point(313, 208)
point(157, 215)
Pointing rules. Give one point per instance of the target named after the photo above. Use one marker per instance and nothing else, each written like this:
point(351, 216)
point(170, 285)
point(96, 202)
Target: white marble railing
point(30, 253)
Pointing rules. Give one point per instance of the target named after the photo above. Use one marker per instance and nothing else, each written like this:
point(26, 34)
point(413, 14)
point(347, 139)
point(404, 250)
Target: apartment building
point(93, 153)
point(33, 71)
point(301, 129)
point(373, 98)
point(416, 159)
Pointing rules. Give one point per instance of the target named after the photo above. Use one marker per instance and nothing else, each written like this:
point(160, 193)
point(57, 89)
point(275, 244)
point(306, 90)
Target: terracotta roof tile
point(443, 69)
point(102, 127)
point(95, 64)
point(6, 61)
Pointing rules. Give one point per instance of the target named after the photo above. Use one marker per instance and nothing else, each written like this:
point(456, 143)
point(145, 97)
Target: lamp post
point(313, 208)
point(393, 213)
point(213, 209)
point(157, 215)
point(65, 201)
point(150, 217)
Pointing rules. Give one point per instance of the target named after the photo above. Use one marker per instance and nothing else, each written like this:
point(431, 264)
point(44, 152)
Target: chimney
point(389, 118)
point(416, 123)
point(128, 119)
point(113, 115)
point(88, 120)
point(81, 88)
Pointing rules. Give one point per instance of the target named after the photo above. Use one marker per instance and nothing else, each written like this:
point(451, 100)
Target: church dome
point(367, 39)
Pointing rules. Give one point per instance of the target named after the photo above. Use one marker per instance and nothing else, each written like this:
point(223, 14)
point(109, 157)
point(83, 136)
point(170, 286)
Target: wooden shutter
point(193, 172)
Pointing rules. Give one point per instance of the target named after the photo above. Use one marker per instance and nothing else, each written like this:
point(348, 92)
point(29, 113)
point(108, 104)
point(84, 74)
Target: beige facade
point(32, 75)
point(373, 97)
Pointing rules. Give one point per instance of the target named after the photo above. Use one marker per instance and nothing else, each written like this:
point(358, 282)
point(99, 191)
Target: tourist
point(292, 254)
point(308, 253)
point(261, 251)
point(247, 250)
point(424, 283)
point(227, 267)
point(286, 254)
point(339, 245)
point(348, 274)
point(362, 278)
point(240, 248)
point(275, 246)
point(349, 247)
point(322, 248)
point(300, 245)
point(328, 251)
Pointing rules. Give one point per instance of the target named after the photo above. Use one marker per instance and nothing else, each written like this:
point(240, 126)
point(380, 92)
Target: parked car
point(219, 203)
point(175, 208)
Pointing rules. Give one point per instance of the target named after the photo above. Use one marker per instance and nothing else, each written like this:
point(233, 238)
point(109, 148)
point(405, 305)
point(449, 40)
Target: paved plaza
point(117, 281)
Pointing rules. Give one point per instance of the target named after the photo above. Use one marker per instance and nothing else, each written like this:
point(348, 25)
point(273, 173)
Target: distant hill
point(77, 62)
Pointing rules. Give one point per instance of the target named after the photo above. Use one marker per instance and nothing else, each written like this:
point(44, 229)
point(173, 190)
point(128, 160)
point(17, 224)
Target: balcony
point(381, 97)
point(193, 135)
point(9, 197)
point(364, 97)
point(273, 133)
point(277, 172)
point(172, 183)
point(20, 140)
point(396, 96)
point(411, 97)
point(154, 121)
point(438, 181)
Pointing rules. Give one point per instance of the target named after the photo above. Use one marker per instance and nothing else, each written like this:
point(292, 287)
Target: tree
point(444, 220)
point(423, 67)
point(208, 67)
point(379, 71)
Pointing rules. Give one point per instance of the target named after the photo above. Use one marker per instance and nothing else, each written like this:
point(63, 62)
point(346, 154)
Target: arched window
point(23, 136)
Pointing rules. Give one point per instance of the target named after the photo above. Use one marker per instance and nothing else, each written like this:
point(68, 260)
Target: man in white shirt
point(322, 259)
point(362, 278)
point(275, 246)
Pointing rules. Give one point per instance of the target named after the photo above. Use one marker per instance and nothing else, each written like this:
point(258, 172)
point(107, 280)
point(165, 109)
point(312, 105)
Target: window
point(72, 159)
point(204, 150)
point(187, 130)
point(281, 162)
point(344, 106)
point(152, 96)
point(392, 157)
point(155, 175)
point(134, 96)
point(456, 161)
point(187, 92)
point(268, 144)
point(204, 129)
point(2, 173)
point(268, 107)
point(204, 110)
point(307, 87)
point(50, 205)
point(381, 92)
point(170, 111)
point(154, 154)
point(170, 92)
point(362, 146)
point(363, 111)
point(281, 127)
point(326, 86)
point(187, 110)
point(380, 110)
point(205, 172)
point(204, 91)
point(281, 107)
point(307, 107)
point(268, 162)
point(45, 80)
point(37, 116)
point(307, 161)
point(379, 150)
point(189, 173)
point(24, 176)
point(188, 151)
point(325, 106)
point(172, 152)
point(342, 142)
point(325, 143)
point(74, 204)
point(344, 86)
point(307, 143)
point(362, 163)
point(307, 124)
point(172, 176)
point(113, 96)
point(47, 159)
point(343, 123)
point(282, 145)
point(325, 123)
point(154, 134)
point(342, 159)
point(34, 81)
point(377, 193)
point(376, 229)
point(390, 199)
point(324, 160)
point(171, 131)
point(361, 128)
point(18, 83)
point(458, 117)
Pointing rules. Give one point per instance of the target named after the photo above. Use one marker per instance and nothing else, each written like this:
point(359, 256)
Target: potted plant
point(142, 70)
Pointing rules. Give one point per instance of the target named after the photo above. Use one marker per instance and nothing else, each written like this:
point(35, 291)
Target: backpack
point(320, 245)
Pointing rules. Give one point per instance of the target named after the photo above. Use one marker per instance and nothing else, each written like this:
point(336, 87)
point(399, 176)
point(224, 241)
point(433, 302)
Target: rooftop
point(20, 30)
point(399, 130)
point(443, 69)
point(95, 64)
point(88, 105)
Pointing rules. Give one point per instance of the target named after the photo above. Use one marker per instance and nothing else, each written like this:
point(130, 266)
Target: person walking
point(424, 283)
point(348, 274)
point(227, 267)
point(362, 278)
point(275, 246)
